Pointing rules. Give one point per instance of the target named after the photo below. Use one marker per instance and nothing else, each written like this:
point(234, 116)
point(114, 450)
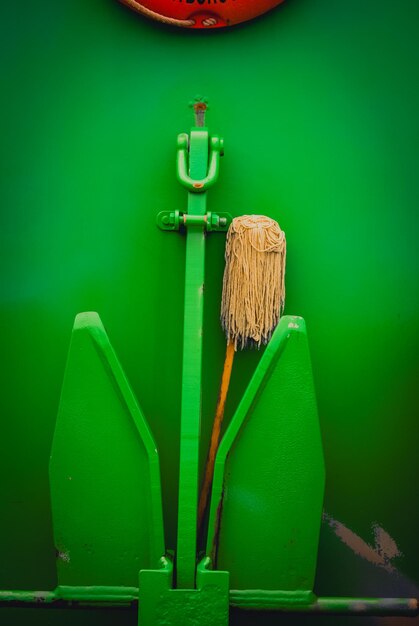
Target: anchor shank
point(192, 368)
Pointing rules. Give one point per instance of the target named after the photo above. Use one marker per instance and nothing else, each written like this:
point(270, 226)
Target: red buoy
point(202, 13)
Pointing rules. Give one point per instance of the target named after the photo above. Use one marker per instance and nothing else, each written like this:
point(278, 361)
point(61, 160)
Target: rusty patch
point(214, 553)
point(62, 555)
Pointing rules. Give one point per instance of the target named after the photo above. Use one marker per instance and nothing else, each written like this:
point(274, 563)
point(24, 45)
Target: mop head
point(254, 280)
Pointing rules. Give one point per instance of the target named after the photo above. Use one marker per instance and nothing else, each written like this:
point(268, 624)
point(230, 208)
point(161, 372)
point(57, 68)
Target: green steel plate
point(268, 485)
point(104, 470)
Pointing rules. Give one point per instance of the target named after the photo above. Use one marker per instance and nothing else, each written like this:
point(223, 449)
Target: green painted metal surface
point(294, 602)
point(267, 494)
point(319, 103)
point(193, 170)
point(288, 602)
point(192, 165)
point(164, 606)
point(104, 470)
point(74, 596)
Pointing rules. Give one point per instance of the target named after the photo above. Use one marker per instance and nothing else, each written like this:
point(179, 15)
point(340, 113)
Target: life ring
point(201, 13)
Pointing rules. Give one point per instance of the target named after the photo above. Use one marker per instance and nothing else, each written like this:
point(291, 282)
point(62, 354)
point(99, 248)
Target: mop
point(252, 302)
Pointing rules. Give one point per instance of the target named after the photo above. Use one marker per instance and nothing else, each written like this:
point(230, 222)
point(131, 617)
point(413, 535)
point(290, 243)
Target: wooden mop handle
point(216, 429)
point(251, 304)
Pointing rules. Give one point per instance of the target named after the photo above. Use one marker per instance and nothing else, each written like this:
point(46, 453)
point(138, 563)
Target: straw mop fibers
point(254, 280)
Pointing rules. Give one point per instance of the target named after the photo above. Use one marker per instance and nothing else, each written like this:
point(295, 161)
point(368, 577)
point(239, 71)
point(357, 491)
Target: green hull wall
point(317, 103)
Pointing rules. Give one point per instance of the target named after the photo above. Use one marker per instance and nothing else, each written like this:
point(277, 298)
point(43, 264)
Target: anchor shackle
point(216, 149)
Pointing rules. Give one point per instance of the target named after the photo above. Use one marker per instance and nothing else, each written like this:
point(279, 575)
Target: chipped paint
point(293, 325)
point(40, 596)
point(63, 556)
point(381, 554)
point(385, 544)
